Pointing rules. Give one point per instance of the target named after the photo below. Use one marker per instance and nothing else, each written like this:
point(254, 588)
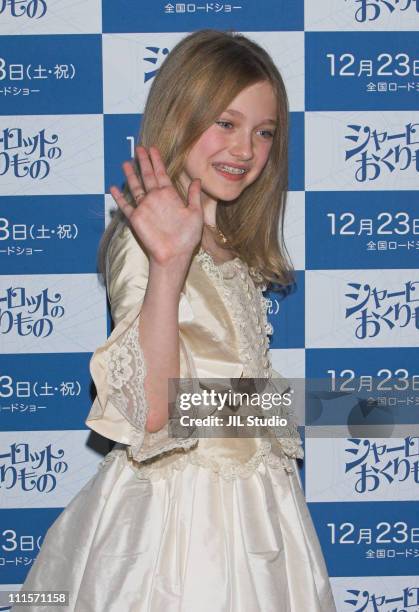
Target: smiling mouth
point(230, 169)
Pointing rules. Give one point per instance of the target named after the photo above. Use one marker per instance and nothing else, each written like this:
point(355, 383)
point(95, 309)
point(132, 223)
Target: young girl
point(192, 524)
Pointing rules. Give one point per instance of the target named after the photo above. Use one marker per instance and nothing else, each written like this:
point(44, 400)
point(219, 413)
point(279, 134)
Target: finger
point(135, 183)
point(162, 177)
point(194, 194)
point(147, 170)
point(119, 198)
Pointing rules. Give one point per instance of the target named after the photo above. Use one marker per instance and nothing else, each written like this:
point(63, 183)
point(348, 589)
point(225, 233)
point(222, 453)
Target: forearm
point(159, 337)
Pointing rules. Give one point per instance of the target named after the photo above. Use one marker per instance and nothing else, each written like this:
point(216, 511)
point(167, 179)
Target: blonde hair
point(203, 73)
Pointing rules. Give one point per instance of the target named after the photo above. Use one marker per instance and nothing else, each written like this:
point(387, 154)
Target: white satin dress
point(181, 524)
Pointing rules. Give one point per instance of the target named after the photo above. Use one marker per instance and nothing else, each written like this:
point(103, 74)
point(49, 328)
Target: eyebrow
point(236, 112)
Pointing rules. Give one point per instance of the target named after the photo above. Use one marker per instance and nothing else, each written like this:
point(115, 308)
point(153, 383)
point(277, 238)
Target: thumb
point(194, 194)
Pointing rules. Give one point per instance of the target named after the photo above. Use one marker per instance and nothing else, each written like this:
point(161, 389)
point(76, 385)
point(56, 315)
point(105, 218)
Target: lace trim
point(252, 331)
point(126, 373)
point(138, 452)
point(250, 321)
point(228, 470)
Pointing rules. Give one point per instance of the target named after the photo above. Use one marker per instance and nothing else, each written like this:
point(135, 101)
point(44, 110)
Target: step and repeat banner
point(74, 77)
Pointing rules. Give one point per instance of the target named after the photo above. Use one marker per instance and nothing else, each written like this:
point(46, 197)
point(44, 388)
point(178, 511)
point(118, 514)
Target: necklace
point(219, 232)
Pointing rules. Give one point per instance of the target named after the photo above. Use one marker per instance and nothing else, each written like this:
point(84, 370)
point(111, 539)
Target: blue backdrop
point(74, 78)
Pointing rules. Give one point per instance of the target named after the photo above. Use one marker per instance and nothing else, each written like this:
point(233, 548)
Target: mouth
point(231, 170)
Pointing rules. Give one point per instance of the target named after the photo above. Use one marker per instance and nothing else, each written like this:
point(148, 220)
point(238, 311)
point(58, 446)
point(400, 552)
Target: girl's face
point(230, 155)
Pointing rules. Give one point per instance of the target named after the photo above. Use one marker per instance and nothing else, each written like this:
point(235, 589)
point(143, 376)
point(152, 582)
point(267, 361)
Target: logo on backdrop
point(382, 151)
point(27, 469)
point(28, 314)
point(371, 10)
point(27, 154)
point(34, 9)
point(376, 311)
point(367, 601)
point(159, 56)
point(383, 463)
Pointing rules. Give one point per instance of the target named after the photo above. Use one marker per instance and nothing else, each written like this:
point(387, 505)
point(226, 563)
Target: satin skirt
point(192, 542)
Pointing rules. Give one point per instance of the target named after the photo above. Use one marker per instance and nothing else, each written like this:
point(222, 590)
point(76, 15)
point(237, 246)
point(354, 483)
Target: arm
point(118, 367)
point(159, 337)
point(169, 231)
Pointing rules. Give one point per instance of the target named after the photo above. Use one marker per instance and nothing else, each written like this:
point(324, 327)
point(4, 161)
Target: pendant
point(219, 232)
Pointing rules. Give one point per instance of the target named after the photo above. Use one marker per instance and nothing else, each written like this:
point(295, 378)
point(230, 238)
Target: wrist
point(168, 278)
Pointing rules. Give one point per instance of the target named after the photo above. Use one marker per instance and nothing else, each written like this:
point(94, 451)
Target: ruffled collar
point(202, 253)
point(227, 269)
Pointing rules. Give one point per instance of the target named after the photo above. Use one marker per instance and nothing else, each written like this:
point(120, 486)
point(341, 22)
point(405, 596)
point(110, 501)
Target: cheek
point(267, 149)
point(210, 143)
point(263, 155)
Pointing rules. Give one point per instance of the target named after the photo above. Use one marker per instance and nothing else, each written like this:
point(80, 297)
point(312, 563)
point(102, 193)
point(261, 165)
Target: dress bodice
point(240, 288)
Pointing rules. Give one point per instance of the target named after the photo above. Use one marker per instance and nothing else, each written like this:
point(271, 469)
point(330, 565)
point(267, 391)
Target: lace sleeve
point(287, 438)
point(126, 372)
point(120, 410)
point(118, 367)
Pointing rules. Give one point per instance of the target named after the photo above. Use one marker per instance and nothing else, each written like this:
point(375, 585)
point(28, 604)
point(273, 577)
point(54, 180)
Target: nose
point(242, 147)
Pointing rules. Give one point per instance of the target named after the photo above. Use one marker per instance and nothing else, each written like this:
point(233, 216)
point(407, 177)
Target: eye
point(267, 133)
point(224, 124)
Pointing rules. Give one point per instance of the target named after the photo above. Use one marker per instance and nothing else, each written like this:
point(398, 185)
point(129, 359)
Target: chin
point(226, 195)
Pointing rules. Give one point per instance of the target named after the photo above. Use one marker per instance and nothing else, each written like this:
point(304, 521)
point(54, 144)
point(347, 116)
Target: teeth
point(231, 169)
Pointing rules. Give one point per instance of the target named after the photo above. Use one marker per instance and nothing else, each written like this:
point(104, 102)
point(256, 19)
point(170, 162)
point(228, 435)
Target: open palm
point(166, 225)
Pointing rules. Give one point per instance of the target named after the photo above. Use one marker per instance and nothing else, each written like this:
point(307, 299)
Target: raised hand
point(168, 227)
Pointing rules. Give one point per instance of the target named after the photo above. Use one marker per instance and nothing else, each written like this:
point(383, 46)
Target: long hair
point(203, 73)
